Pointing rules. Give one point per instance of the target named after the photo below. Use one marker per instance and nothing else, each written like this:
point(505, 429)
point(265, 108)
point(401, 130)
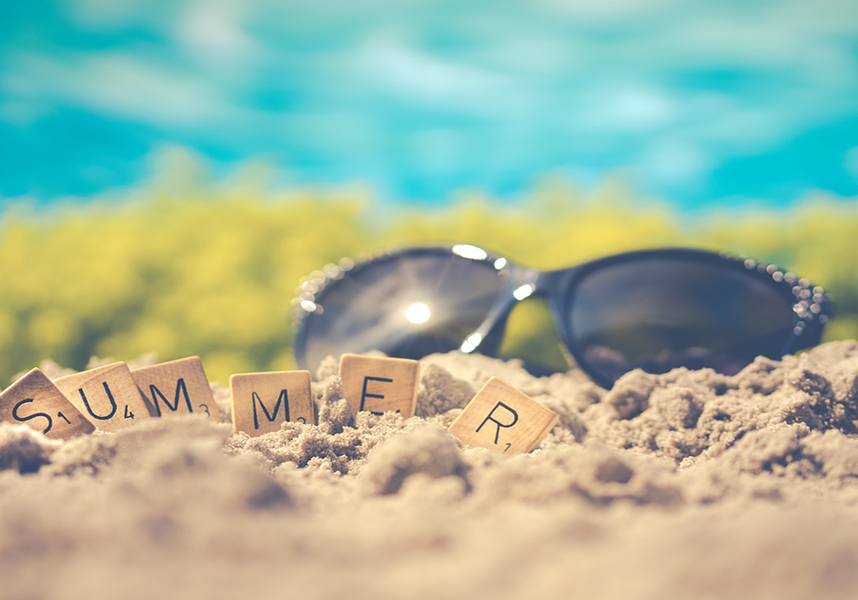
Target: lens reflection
point(660, 313)
point(407, 306)
point(418, 313)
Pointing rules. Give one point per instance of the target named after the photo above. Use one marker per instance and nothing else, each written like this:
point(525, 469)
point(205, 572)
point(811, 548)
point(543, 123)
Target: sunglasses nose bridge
point(520, 284)
point(548, 283)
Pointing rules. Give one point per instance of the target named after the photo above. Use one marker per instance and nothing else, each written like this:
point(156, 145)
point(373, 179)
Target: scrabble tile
point(179, 387)
point(502, 418)
point(36, 402)
point(262, 401)
point(379, 384)
point(106, 396)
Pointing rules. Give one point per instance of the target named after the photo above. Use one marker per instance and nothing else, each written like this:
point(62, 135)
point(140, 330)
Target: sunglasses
point(652, 309)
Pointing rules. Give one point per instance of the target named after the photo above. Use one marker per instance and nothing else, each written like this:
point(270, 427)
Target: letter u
point(109, 397)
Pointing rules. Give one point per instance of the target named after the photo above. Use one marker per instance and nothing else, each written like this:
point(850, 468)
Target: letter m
point(283, 400)
point(181, 390)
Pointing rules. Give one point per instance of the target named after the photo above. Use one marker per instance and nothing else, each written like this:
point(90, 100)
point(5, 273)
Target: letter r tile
point(106, 396)
point(262, 401)
point(502, 418)
point(380, 384)
point(36, 402)
point(178, 387)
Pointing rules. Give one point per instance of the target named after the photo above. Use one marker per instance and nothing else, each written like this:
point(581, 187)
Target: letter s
point(33, 416)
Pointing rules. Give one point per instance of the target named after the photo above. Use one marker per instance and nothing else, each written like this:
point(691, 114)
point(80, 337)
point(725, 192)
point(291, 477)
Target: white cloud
point(674, 162)
point(129, 87)
point(212, 32)
point(117, 14)
point(624, 109)
point(730, 43)
point(733, 124)
point(512, 49)
point(606, 10)
point(336, 133)
point(423, 79)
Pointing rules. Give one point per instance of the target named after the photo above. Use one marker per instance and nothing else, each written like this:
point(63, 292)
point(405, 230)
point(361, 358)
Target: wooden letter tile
point(179, 387)
point(106, 396)
point(502, 418)
point(379, 384)
point(36, 402)
point(262, 401)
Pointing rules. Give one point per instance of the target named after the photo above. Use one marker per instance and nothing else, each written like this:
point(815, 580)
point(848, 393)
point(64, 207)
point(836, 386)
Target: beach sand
point(688, 485)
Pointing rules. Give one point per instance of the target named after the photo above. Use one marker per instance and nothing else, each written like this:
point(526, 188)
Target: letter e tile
point(262, 401)
point(106, 396)
point(502, 418)
point(380, 384)
point(178, 387)
point(36, 402)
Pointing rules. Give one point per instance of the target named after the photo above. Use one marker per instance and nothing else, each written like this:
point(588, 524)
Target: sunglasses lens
point(407, 306)
point(661, 313)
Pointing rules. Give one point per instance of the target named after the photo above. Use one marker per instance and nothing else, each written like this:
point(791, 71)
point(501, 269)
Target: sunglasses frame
point(812, 306)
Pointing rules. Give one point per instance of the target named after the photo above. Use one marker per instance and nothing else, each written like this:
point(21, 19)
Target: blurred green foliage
point(211, 271)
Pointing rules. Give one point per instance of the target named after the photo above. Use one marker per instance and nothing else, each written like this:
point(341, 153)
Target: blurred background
point(170, 170)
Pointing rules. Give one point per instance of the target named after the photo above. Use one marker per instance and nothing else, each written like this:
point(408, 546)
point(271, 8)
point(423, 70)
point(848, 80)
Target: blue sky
point(694, 103)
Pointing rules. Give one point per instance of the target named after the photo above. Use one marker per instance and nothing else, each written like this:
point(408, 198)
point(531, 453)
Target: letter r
point(499, 424)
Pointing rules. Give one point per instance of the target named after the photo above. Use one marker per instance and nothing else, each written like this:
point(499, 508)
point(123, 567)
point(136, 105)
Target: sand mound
point(684, 485)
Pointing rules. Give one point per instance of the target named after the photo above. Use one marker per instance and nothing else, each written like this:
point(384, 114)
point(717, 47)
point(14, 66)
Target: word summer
point(113, 397)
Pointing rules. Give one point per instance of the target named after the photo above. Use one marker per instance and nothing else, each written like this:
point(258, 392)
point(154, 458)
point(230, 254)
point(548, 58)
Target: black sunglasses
point(650, 309)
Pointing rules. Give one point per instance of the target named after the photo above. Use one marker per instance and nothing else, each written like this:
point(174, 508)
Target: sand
point(684, 485)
